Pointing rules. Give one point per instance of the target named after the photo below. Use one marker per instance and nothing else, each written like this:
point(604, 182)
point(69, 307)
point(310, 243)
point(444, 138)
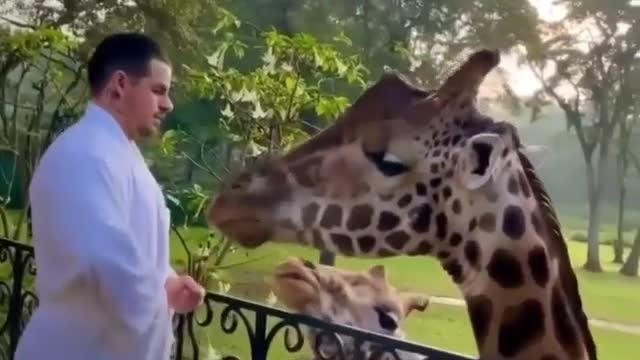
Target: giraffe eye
point(386, 321)
point(387, 163)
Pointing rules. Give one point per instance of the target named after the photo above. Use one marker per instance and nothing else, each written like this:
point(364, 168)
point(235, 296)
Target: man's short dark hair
point(128, 51)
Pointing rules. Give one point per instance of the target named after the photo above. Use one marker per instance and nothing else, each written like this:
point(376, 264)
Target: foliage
point(40, 93)
point(264, 107)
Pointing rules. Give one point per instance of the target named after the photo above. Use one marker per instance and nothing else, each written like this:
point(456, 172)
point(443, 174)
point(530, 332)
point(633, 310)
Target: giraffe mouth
point(291, 276)
point(296, 272)
point(248, 231)
point(245, 225)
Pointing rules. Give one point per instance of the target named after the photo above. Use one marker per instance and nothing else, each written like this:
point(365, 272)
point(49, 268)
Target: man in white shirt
point(100, 224)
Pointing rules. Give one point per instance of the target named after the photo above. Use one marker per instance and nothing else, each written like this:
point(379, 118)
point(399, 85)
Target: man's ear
point(482, 155)
point(414, 301)
point(536, 154)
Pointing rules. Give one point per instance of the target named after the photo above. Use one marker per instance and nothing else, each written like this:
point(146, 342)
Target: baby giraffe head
point(362, 299)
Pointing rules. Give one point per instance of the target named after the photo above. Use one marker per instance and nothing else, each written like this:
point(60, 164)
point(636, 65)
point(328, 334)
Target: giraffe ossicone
point(407, 171)
point(361, 299)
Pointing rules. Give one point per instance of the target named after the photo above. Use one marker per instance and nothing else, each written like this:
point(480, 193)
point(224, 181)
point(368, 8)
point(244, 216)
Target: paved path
point(626, 328)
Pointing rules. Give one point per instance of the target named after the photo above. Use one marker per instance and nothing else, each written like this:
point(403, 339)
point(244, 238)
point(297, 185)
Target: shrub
point(579, 237)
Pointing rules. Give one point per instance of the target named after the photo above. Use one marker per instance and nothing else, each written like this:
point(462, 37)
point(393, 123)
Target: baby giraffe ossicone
point(361, 299)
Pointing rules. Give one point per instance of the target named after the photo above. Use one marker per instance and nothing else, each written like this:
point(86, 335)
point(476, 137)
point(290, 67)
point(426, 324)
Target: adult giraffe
point(406, 171)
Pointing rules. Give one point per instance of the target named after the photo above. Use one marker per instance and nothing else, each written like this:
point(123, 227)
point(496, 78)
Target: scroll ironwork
point(259, 323)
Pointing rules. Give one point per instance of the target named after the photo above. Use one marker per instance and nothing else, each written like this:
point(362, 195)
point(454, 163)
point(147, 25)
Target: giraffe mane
point(556, 242)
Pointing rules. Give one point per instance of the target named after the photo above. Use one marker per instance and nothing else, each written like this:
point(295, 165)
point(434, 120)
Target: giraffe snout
point(245, 220)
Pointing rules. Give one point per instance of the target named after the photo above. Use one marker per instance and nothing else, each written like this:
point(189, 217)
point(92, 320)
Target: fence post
point(259, 348)
point(14, 316)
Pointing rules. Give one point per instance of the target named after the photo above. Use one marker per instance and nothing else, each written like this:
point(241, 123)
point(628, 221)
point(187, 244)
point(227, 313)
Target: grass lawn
point(607, 296)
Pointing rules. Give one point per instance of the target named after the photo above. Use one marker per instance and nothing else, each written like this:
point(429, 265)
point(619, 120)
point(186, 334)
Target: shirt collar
point(96, 114)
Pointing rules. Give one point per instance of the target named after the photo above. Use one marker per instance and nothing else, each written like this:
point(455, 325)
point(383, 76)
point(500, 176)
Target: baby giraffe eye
point(387, 163)
point(386, 321)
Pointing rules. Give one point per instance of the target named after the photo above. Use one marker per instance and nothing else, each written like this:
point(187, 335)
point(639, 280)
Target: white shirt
point(101, 238)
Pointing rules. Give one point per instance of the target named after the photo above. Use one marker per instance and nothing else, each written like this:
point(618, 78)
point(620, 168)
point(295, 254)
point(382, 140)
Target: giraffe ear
point(482, 155)
point(414, 302)
point(378, 271)
point(536, 154)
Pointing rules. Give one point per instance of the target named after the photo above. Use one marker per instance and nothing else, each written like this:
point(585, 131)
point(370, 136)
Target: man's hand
point(183, 293)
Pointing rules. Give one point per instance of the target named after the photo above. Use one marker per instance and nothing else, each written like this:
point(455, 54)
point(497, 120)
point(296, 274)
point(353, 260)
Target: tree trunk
point(623, 167)
point(630, 267)
point(595, 196)
point(618, 243)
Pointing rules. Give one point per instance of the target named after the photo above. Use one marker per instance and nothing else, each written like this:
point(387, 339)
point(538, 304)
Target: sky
point(521, 79)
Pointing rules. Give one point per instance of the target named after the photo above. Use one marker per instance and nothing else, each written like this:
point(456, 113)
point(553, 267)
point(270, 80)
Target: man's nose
point(166, 106)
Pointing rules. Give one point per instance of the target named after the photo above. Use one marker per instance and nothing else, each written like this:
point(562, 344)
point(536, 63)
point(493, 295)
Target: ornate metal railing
point(269, 332)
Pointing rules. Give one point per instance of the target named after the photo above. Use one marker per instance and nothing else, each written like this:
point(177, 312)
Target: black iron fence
point(240, 329)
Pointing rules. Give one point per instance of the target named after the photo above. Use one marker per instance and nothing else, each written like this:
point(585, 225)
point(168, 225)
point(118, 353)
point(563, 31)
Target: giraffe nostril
point(308, 264)
point(236, 186)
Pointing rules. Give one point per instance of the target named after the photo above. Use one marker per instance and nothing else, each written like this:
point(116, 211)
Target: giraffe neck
point(516, 299)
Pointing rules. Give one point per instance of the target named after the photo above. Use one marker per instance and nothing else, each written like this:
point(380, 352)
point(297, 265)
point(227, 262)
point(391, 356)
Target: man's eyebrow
point(160, 86)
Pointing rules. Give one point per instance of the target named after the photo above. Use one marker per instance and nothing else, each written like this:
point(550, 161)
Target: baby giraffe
point(361, 299)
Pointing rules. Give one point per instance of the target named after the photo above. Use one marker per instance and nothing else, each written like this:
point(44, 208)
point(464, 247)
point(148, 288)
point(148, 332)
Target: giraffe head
point(408, 171)
point(397, 174)
point(362, 299)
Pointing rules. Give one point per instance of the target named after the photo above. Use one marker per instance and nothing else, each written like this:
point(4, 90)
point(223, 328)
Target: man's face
point(146, 101)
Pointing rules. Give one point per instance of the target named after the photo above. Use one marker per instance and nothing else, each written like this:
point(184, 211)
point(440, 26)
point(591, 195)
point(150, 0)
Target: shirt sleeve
point(87, 214)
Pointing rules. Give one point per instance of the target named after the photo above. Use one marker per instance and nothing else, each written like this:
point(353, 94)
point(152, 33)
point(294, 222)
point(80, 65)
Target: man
point(100, 224)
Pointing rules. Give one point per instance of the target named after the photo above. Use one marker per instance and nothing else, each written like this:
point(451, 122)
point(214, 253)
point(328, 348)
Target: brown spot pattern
point(473, 224)
point(538, 265)
point(405, 200)
point(512, 185)
point(360, 217)
point(522, 325)
point(491, 195)
point(446, 193)
point(455, 239)
point(423, 248)
point(536, 221)
point(388, 221)
point(343, 243)
point(513, 223)
point(454, 269)
point(441, 226)
point(504, 268)
point(382, 252)
point(332, 216)
point(397, 239)
point(309, 214)
point(472, 253)
point(366, 243)
point(480, 310)
point(488, 222)
point(421, 218)
point(456, 206)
